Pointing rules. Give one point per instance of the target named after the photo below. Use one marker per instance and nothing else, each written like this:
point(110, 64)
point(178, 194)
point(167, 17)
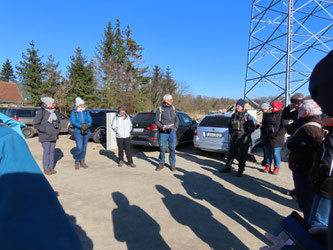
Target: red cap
point(277, 106)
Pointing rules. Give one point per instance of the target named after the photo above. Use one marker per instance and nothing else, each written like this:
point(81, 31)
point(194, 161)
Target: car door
point(187, 127)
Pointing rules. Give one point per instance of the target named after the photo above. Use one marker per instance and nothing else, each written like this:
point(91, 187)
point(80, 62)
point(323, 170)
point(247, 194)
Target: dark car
point(145, 131)
point(3, 110)
point(26, 115)
point(98, 126)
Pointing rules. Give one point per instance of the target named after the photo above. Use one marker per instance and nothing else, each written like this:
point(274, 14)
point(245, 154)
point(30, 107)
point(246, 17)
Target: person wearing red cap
point(273, 132)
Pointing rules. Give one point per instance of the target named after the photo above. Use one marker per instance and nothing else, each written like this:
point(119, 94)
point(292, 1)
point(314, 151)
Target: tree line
point(114, 76)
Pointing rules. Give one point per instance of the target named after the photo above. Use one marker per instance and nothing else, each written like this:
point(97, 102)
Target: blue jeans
point(163, 141)
point(81, 145)
point(304, 193)
point(272, 153)
point(320, 211)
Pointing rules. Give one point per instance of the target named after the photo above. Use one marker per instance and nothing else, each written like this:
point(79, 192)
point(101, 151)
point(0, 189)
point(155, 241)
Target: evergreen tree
point(52, 77)
point(118, 60)
point(169, 86)
point(32, 73)
point(7, 72)
point(81, 80)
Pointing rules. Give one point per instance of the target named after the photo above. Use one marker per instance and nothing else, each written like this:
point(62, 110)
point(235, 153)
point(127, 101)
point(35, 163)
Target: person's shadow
point(152, 160)
point(134, 226)
point(200, 219)
point(58, 154)
point(73, 152)
point(244, 210)
point(87, 243)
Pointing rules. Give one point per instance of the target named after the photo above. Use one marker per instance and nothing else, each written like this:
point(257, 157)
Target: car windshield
point(215, 121)
point(143, 117)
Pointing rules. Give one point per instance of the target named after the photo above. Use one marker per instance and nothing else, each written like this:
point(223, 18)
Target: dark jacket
point(240, 127)
point(292, 122)
point(322, 169)
point(273, 129)
point(166, 115)
point(78, 118)
point(46, 131)
point(304, 145)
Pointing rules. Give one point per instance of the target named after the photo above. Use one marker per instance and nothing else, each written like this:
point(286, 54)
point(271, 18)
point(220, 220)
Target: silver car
point(212, 133)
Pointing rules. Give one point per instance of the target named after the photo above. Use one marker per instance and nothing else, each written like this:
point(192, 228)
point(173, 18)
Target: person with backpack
point(240, 128)
point(303, 146)
point(273, 133)
point(122, 125)
point(166, 119)
point(47, 124)
point(81, 121)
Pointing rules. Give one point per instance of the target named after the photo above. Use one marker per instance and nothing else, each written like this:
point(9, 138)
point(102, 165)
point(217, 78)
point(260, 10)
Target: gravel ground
point(195, 207)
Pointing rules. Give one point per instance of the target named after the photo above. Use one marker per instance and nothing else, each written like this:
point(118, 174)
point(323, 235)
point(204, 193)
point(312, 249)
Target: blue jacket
point(31, 216)
point(17, 126)
point(77, 118)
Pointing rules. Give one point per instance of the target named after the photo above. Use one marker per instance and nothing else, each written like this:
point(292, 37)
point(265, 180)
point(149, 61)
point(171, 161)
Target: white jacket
point(122, 127)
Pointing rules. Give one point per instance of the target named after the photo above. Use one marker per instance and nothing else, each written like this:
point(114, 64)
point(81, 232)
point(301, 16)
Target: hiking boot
point(267, 168)
point(225, 170)
point(83, 164)
point(276, 170)
point(160, 167)
point(120, 164)
point(77, 165)
point(132, 165)
point(47, 172)
point(173, 168)
point(52, 171)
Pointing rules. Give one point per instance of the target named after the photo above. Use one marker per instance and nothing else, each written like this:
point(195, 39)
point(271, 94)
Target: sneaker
point(276, 170)
point(77, 165)
point(160, 167)
point(120, 164)
point(267, 168)
point(225, 170)
point(173, 168)
point(52, 171)
point(47, 172)
point(132, 165)
point(83, 164)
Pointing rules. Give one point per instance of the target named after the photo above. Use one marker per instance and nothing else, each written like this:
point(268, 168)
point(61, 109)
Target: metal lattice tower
point(287, 39)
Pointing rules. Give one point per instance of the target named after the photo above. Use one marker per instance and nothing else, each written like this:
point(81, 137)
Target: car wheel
point(100, 135)
point(28, 132)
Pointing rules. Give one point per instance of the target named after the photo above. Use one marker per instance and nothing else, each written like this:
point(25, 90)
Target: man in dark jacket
point(167, 122)
point(240, 128)
point(321, 179)
point(321, 89)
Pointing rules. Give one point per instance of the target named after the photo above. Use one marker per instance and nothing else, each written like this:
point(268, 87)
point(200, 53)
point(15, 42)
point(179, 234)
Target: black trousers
point(124, 143)
point(240, 150)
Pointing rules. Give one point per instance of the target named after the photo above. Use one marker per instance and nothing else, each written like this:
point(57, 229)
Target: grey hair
point(167, 97)
point(312, 107)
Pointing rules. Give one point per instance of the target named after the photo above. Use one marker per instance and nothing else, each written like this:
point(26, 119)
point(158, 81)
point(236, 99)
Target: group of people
point(47, 124)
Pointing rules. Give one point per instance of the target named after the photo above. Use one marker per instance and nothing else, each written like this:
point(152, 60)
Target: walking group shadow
point(140, 231)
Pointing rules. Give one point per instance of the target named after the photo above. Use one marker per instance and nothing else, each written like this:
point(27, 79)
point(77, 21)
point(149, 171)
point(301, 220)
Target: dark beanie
point(321, 84)
point(241, 102)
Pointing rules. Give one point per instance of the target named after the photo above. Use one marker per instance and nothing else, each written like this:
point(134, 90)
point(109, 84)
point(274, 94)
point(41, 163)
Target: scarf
point(53, 116)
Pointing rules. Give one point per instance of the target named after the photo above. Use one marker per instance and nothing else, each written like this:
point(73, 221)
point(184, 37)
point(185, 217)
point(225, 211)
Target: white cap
point(47, 100)
point(78, 101)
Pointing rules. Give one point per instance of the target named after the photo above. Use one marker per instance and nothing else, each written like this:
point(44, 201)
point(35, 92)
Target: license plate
point(216, 135)
point(138, 129)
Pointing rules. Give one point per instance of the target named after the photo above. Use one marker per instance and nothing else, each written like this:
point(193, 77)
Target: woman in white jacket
point(122, 125)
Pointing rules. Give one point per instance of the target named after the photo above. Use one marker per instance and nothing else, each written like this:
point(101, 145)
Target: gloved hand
point(84, 126)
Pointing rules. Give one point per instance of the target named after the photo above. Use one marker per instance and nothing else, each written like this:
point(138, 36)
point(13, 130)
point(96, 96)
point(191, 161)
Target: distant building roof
point(9, 92)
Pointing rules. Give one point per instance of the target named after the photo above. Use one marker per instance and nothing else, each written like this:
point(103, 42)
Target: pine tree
point(7, 72)
point(81, 81)
point(118, 60)
point(52, 77)
point(169, 86)
point(32, 73)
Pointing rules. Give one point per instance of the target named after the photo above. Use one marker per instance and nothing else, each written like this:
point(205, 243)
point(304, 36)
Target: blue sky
point(203, 42)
